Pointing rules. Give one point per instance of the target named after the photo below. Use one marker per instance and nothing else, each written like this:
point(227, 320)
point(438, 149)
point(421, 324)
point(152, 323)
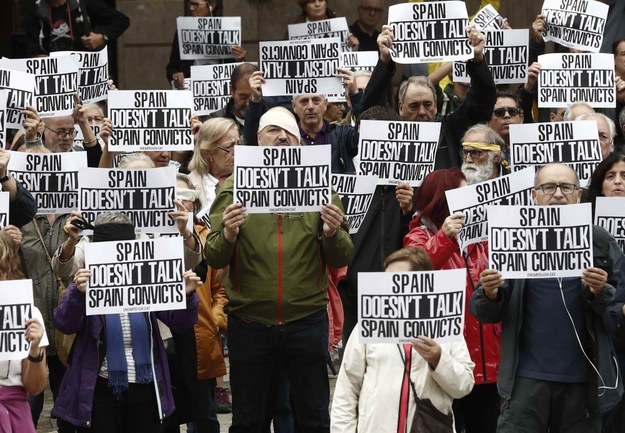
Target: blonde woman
point(213, 158)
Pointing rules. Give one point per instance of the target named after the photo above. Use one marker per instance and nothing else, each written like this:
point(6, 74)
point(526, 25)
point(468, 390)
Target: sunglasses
point(512, 111)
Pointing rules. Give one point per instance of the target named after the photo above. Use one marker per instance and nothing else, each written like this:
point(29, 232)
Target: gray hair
point(416, 80)
point(135, 157)
point(490, 135)
point(112, 218)
point(567, 113)
point(610, 122)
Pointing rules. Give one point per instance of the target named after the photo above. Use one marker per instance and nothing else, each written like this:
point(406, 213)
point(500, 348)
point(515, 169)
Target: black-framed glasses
point(475, 153)
point(371, 10)
point(551, 188)
point(62, 133)
point(512, 111)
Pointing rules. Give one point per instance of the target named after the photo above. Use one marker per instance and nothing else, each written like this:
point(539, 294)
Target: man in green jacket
point(277, 294)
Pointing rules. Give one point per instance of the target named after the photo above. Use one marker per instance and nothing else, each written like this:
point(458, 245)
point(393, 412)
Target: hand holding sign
point(332, 217)
point(181, 217)
point(81, 278)
point(33, 125)
point(429, 350)
point(256, 81)
point(34, 334)
point(191, 281)
point(233, 217)
point(453, 224)
point(595, 279)
point(620, 89)
point(477, 41)
point(532, 76)
point(491, 281)
point(538, 28)
point(93, 41)
point(385, 41)
point(404, 194)
point(238, 52)
point(349, 80)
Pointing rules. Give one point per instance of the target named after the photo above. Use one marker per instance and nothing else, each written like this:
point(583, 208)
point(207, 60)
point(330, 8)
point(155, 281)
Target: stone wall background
point(143, 51)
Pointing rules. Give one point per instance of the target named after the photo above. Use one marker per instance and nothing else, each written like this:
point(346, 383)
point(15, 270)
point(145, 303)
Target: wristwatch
point(36, 359)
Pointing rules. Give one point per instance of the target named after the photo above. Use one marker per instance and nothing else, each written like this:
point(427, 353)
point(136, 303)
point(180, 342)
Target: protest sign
point(282, 179)
point(429, 32)
point(506, 53)
point(16, 307)
point(52, 178)
point(573, 143)
point(487, 18)
point(575, 23)
point(211, 87)
point(296, 67)
point(135, 276)
point(20, 87)
point(512, 189)
point(56, 82)
point(399, 307)
point(204, 216)
point(4, 208)
point(150, 120)
point(397, 151)
point(330, 28)
point(145, 195)
point(356, 193)
point(208, 37)
point(359, 60)
point(540, 241)
point(610, 214)
point(3, 115)
point(79, 138)
point(93, 74)
point(578, 77)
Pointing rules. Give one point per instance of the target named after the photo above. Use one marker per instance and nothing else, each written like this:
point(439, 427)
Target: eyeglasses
point(229, 150)
point(512, 111)
point(551, 188)
point(195, 5)
point(369, 10)
point(62, 133)
point(475, 153)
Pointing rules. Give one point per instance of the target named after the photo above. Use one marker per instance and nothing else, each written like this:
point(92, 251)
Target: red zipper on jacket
point(280, 269)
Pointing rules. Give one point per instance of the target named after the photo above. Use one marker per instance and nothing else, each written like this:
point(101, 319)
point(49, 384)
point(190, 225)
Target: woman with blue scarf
point(117, 380)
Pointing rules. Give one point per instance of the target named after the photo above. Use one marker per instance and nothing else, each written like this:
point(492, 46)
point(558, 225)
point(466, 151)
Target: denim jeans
point(257, 350)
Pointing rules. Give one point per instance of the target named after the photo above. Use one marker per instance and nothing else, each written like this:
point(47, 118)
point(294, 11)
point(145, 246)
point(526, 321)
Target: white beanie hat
point(282, 118)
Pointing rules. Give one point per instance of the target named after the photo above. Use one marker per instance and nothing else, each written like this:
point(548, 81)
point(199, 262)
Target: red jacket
point(483, 340)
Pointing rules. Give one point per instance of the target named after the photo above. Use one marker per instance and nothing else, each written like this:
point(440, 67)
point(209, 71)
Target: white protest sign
point(282, 179)
point(150, 120)
point(356, 193)
point(208, 37)
point(20, 87)
point(429, 32)
point(540, 241)
point(16, 307)
point(145, 195)
point(296, 67)
point(330, 28)
point(79, 138)
point(4, 208)
point(512, 189)
point(204, 216)
point(573, 143)
point(610, 214)
point(52, 178)
point(488, 18)
point(93, 74)
point(56, 82)
point(3, 115)
point(577, 77)
point(359, 60)
point(575, 23)
point(506, 52)
point(397, 152)
point(399, 307)
point(135, 276)
point(210, 85)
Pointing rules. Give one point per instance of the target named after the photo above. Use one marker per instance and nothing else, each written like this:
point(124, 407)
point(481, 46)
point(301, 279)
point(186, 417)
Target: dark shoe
point(222, 399)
